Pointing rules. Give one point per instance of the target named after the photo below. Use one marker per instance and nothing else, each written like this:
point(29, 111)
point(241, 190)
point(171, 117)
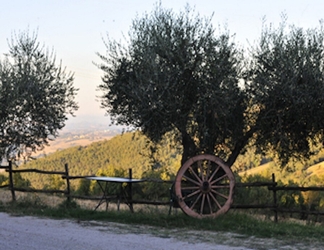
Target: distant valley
point(81, 131)
point(80, 138)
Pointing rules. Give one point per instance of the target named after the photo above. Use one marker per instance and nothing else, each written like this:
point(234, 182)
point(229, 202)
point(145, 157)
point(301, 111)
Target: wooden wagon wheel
point(204, 186)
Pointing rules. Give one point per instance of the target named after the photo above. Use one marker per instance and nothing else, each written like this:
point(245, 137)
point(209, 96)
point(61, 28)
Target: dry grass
point(314, 170)
point(317, 169)
point(5, 196)
point(48, 200)
point(256, 170)
point(64, 143)
point(53, 201)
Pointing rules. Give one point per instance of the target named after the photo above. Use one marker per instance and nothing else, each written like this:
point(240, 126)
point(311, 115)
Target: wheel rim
point(204, 186)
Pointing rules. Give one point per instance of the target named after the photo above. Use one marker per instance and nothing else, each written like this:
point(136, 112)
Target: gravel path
point(33, 233)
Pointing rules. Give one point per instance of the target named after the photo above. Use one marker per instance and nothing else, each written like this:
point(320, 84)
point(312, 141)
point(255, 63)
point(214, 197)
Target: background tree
point(36, 95)
point(286, 86)
point(176, 74)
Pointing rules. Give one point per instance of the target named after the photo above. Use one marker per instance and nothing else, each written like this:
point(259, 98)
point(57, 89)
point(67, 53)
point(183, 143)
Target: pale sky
point(74, 28)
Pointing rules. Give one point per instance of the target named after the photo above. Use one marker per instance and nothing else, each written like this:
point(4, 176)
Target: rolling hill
point(113, 157)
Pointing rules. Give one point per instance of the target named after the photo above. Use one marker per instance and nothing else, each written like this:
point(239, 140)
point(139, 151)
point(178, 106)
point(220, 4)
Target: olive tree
point(176, 74)
point(286, 88)
point(36, 95)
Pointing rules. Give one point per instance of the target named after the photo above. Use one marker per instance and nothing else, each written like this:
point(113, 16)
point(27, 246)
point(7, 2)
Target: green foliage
point(155, 190)
point(287, 86)
point(18, 181)
point(112, 188)
point(253, 195)
point(3, 179)
point(55, 182)
point(83, 187)
point(292, 199)
point(36, 95)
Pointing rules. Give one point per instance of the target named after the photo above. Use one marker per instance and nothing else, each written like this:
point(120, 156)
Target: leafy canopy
point(176, 75)
point(36, 95)
point(286, 83)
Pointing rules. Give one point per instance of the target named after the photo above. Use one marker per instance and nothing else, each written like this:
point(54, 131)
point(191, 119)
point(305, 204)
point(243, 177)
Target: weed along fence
point(265, 197)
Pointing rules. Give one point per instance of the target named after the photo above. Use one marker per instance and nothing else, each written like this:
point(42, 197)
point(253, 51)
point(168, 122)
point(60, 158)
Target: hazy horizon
point(89, 122)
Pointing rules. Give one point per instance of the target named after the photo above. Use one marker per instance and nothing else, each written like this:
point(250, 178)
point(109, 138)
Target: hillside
point(304, 174)
point(263, 169)
point(112, 157)
point(316, 169)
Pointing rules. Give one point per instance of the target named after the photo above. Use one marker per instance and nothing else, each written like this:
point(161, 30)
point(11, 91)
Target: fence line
point(272, 186)
point(13, 189)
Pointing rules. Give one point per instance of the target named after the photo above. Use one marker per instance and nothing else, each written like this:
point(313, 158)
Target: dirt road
point(32, 233)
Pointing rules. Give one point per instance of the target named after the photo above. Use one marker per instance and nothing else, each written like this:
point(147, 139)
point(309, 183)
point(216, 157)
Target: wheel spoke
point(202, 204)
point(218, 179)
point(201, 170)
point(194, 173)
point(191, 180)
point(220, 194)
point(189, 188)
point(208, 169)
point(192, 194)
point(209, 205)
point(214, 199)
point(221, 186)
point(197, 199)
point(212, 176)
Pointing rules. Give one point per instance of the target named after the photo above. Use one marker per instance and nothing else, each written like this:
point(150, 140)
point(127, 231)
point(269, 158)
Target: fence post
point(275, 197)
point(67, 183)
point(130, 192)
point(11, 184)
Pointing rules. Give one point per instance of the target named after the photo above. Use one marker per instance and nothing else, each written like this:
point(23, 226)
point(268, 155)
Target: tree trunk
point(189, 147)
point(239, 145)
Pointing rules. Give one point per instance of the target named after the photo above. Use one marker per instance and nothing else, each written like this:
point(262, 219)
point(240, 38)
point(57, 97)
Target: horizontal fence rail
point(37, 171)
point(302, 189)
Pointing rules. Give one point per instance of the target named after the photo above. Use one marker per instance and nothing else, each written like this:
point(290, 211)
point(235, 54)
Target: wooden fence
point(271, 186)
point(13, 189)
point(66, 192)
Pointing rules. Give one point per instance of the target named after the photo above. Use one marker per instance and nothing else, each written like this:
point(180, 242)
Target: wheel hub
point(205, 187)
